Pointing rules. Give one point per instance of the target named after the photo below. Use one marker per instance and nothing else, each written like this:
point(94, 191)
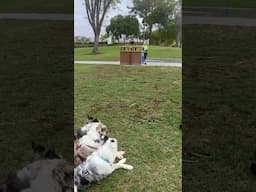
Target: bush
point(162, 37)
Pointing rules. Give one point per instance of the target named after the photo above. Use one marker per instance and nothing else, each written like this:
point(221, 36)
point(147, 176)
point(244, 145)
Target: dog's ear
point(37, 148)
point(104, 129)
point(80, 133)
point(95, 120)
point(89, 118)
point(92, 119)
point(105, 138)
point(51, 154)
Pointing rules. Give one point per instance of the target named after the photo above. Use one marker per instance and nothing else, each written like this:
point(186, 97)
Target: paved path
point(37, 16)
point(149, 63)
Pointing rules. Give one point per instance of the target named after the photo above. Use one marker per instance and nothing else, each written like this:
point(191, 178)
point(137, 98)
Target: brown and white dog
point(88, 139)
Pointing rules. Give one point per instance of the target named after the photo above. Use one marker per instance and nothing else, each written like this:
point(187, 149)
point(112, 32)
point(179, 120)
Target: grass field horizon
point(142, 108)
point(112, 53)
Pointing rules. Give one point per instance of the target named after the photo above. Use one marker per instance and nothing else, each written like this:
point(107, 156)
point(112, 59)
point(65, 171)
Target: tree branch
point(105, 8)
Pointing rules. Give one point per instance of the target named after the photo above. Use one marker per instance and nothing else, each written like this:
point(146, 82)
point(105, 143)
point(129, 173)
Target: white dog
point(99, 165)
point(90, 138)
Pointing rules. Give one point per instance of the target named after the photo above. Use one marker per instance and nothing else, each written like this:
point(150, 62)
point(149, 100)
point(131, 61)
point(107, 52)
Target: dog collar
point(104, 159)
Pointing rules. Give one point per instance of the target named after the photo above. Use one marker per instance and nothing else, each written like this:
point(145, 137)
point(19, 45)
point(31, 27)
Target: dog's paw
point(128, 167)
point(120, 154)
point(122, 161)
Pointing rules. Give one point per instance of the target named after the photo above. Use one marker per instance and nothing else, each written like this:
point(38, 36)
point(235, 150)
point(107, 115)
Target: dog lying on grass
point(88, 139)
point(48, 172)
point(99, 165)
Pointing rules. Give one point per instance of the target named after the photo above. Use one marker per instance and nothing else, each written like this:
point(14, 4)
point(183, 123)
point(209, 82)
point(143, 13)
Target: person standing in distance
point(145, 49)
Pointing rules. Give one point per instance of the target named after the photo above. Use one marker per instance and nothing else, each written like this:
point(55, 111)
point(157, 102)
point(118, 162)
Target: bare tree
point(96, 11)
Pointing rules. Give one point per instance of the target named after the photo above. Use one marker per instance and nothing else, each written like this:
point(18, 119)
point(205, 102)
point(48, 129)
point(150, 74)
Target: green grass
point(112, 53)
point(218, 94)
point(221, 3)
point(39, 6)
point(142, 108)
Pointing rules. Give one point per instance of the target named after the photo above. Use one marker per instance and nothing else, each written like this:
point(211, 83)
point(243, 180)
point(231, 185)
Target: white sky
point(81, 24)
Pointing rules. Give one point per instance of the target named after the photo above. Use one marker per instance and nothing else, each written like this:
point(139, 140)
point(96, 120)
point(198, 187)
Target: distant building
point(77, 39)
point(110, 40)
point(82, 40)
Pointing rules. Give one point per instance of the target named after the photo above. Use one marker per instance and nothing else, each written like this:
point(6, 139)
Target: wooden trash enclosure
point(130, 55)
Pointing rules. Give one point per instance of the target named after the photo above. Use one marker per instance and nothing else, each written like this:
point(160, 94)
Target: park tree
point(170, 25)
point(115, 27)
point(164, 36)
point(96, 11)
point(123, 25)
point(155, 12)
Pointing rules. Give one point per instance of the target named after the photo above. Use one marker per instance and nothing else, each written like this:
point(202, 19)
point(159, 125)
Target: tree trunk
point(178, 31)
point(150, 33)
point(95, 49)
point(178, 38)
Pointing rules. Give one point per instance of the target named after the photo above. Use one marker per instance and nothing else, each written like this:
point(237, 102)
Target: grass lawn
point(218, 94)
point(112, 53)
point(142, 108)
point(221, 3)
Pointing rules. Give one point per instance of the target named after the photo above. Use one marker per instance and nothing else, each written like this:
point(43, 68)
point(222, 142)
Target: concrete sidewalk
point(149, 63)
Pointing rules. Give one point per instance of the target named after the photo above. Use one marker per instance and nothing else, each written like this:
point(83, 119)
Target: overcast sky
point(81, 24)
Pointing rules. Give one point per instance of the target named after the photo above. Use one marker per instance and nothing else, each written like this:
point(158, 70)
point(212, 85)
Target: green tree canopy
point(123, 25)
point(155, 12)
